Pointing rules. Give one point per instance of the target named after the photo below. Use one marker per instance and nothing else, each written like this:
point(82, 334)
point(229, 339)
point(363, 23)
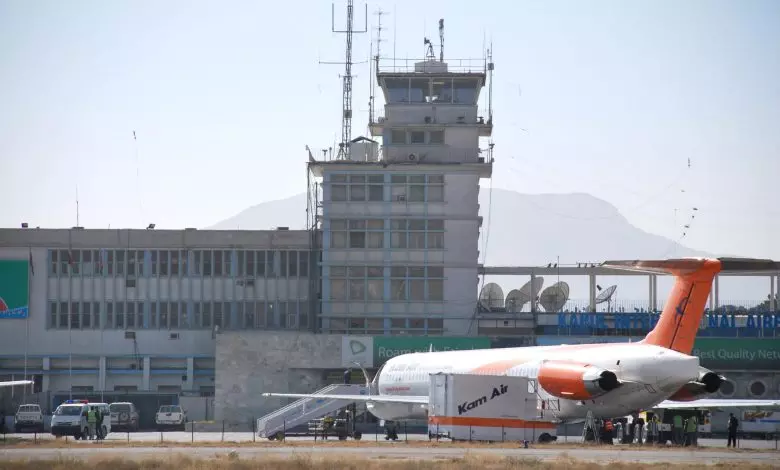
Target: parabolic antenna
point(491, 297)
point(554, 297)
point(514, 302)
point(528, 292)
point(606, 294)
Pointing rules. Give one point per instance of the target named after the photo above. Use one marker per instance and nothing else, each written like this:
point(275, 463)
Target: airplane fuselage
point(648, 374)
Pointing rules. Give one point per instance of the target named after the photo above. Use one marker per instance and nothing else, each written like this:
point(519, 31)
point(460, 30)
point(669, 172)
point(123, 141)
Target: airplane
point(608, 379)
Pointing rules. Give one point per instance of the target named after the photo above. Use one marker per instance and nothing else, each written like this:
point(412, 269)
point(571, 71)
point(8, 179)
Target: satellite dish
point(528, 292)
point(606, 294)
point(555, 297)
point(491, 296)
point(514, 301)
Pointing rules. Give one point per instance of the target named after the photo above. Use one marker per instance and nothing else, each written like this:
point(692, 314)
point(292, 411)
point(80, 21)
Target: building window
point(436, 137)
point(63, 313)
point(357, 283)
point(398, 137)
point(109, 315)
point(417, 284)
point(338, 192)
point(53, 263)
point(53, 314)
point(303, 267)
point(357, 233)
point(175, 263)
point(435, 188)
point(207, 272)
point(417, 234)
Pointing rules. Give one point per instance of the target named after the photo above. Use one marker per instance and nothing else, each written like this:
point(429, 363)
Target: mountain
point(534, 230)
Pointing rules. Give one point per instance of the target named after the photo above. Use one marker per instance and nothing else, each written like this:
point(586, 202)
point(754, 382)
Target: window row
point(175, 263)
point(358, 283)
point(176, 315)
point(438, 90)
point(412, 188)
point(404, 233)
point(376, 326)
point(417, 137)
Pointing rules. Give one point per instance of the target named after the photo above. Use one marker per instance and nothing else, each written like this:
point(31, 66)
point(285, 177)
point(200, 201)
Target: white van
point(70, 419)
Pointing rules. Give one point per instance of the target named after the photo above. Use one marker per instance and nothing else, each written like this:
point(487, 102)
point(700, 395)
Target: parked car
point(171, 416)
point(28, 417)
point(124, 416)
point(70, 419)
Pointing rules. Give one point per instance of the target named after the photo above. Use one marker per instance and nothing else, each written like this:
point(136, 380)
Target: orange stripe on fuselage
point(490, 422)
point(564, 379)
point(502, 366)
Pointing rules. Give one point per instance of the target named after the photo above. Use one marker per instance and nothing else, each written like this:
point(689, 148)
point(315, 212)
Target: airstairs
point(306, 409)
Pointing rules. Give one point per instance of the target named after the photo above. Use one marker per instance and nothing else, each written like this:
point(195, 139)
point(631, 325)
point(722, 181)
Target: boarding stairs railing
point(306, 409)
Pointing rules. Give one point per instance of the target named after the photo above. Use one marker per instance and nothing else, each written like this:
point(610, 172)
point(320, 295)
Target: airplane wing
point(417, 399)
point(12, 383)
point(718, 403)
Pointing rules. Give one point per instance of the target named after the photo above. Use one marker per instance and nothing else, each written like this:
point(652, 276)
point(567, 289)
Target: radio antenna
point(346, 109)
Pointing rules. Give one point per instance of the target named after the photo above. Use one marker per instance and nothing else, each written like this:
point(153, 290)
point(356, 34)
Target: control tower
point(400, 221)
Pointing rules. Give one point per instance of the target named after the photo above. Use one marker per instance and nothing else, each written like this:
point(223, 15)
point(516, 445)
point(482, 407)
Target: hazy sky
point(606, 97)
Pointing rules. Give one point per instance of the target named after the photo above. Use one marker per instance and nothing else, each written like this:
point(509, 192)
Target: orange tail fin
point(684, 309)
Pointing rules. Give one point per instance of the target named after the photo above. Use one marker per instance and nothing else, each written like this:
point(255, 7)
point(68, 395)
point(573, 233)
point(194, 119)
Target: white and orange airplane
point(611, 380)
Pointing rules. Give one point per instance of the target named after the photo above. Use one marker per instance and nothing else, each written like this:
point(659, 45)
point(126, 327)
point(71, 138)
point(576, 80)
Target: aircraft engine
point(707, 382)
point(575, 381)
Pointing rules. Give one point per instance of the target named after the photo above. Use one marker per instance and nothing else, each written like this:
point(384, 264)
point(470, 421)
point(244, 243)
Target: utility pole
point(346, 111)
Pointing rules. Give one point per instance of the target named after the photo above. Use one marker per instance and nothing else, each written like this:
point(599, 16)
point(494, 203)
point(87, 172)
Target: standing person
point(99, 423)
point(691, 427)
point(91, 421)
point(640, 428)
point(652, 430)
point(677, 430)
point(733, 424)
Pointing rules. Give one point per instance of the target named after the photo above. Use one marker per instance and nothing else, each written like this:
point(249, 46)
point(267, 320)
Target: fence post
point(376, 432)
point(161, 435)
point(406, 432)
point(192, 431)
point(254, 429)
point(223, 430)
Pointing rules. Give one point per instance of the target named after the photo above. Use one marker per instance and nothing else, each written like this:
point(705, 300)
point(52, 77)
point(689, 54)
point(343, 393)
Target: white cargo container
point(488, 408)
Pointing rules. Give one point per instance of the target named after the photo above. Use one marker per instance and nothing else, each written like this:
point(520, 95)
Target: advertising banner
point(14, 288)
point(738, 353)
point(386, 347)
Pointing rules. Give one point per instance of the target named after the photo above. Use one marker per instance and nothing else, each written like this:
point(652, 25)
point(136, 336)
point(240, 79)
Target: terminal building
point(388, 264)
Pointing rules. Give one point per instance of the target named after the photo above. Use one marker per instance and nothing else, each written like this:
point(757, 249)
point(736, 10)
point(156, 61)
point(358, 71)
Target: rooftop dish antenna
point(555, 297)
point(514, 301)
point(491, 296)
point(528, 292)
point(605, 295)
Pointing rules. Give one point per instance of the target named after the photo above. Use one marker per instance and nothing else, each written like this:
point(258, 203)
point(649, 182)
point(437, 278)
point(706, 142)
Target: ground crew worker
point(91, 421)
point(327, 425)
point(98, 423)
point(652, 430)
point(691, 428)
point(677, 429)
point(733, 424)
point(640, 427)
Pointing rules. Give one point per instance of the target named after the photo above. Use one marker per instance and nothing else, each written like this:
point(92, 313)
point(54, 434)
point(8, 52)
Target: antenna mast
point(346, 114)
point(441, 40)
point(379, 40)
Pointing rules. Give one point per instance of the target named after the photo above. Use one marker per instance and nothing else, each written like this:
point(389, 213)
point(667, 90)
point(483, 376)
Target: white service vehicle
point(28, 417)
point(171, 416)
point(70, 419)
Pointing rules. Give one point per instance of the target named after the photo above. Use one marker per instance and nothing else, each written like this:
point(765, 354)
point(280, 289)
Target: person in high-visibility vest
point(91, 421)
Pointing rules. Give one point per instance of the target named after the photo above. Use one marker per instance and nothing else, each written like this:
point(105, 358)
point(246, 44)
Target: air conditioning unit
point(401, 197)
point(412, 157)
point(428, 119)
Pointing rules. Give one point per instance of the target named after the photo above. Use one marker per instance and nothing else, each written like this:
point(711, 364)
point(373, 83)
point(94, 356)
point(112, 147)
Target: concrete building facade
point(400, 224)
point(139, 310)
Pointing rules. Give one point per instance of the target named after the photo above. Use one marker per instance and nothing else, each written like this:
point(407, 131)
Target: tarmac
point(380, 447)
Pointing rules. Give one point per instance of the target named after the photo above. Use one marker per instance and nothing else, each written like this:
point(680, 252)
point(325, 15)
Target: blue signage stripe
point(16, 313)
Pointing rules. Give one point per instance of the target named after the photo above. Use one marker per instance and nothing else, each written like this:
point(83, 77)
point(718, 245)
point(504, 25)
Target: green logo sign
point(356, 346)
point(14, 289)
point(386, 347)
point(737, 353)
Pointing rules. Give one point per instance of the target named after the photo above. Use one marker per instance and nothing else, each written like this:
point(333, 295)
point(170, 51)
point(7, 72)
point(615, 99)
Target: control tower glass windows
point(465, 90)
point(397, 90)
point(419, 90)
point(441, 90)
